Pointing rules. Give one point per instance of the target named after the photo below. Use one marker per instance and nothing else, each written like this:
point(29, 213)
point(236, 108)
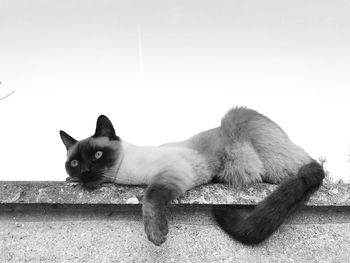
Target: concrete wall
point(59, 222)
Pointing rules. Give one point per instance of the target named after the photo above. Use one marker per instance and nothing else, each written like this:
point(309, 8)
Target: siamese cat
point(247, 148)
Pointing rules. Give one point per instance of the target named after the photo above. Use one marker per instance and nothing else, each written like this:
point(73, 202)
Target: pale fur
point(142, 163)
point(247, 148)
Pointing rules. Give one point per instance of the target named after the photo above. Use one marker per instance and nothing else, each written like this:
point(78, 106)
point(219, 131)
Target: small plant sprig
point(328, 178)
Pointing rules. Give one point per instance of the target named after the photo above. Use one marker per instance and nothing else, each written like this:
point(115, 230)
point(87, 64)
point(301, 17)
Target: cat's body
point(247, 148)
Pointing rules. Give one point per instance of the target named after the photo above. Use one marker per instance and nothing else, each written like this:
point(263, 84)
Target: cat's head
point(92, 161)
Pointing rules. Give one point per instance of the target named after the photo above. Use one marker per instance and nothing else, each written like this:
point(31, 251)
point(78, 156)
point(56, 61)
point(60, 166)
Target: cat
point(247, 148)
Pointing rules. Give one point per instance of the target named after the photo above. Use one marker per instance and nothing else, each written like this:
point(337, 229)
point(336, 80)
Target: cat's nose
point(84, 169)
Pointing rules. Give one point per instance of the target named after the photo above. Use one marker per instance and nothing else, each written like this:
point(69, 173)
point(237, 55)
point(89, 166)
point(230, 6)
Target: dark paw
point(156, 228)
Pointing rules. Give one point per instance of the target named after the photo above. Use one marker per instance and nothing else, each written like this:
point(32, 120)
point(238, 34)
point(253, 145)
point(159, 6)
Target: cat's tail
point(254, 227)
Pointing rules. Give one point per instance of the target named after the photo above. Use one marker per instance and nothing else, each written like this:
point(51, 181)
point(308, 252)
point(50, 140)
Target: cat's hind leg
point(241, 165)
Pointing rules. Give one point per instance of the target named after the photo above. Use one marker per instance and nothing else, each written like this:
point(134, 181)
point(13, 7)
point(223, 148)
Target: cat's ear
point(68, 140)
point(104, 127)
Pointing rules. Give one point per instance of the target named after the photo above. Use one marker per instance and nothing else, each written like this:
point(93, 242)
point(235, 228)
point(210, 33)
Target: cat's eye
point(74, 163)
point(98, 154)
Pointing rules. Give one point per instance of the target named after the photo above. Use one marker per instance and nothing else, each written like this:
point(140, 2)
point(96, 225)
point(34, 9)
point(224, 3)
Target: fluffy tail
point(256, 226)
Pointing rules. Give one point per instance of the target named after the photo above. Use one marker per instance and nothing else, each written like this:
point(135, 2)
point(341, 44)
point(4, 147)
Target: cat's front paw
point(156, 228)
point(72, 181)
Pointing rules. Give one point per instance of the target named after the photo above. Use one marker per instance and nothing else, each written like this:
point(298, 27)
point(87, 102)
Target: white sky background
point(165, 70)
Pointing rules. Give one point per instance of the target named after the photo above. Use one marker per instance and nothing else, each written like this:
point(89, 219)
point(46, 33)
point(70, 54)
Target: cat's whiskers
point(107, 174)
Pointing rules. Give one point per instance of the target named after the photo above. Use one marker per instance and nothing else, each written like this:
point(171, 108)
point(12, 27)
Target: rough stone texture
point(69, 234)
point(61, 222)
point(69, 193)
